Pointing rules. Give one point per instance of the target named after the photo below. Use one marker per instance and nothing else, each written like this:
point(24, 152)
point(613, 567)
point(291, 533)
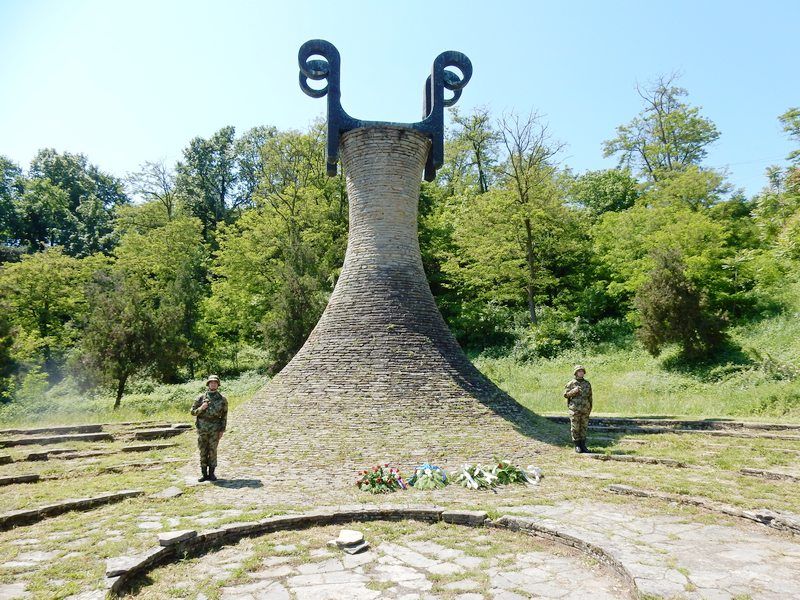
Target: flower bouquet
point(428, 477)
point(380, 480)
point(476, 477)
point(507, 473)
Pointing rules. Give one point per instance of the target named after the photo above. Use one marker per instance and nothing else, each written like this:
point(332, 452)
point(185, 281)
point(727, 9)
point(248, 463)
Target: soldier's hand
point(219, 435)
point(204, 406)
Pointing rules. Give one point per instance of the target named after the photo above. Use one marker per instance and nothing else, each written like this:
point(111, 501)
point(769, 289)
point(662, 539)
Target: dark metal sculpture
point(339, 122)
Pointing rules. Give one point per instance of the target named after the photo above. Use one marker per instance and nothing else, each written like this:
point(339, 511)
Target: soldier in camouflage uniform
point(578, 393)
point(211, 410)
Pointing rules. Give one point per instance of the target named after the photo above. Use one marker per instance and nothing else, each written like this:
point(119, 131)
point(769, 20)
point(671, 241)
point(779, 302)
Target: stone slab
point(464, 517)
point(630, 458)
point(152, 434)
point(16, 518)
point(93, 428)
point(56, 439)
point(11, 479)
point(168, 538)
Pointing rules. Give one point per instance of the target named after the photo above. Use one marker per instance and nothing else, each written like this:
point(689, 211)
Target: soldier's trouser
point(579, 411)
point(207, 442)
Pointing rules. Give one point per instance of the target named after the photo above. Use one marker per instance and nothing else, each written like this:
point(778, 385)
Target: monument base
point(381, 377)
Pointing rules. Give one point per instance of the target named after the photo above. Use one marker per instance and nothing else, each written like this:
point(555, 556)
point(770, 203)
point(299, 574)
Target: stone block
point(464, 517)
point(168, 538)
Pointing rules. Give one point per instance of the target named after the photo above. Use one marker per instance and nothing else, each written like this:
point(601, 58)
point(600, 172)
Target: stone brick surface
point(380, 375)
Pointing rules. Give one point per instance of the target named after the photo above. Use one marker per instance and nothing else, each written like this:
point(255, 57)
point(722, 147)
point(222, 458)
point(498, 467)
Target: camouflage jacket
point(213, 418)
point(585, 387)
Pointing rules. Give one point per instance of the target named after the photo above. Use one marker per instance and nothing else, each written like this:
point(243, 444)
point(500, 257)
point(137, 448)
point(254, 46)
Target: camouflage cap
point(579, 368)
point(212, 378)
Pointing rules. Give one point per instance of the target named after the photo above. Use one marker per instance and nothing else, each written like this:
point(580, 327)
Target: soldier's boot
point(583, 447)
point(211, 476)
point(204, 470)
point(578, 447)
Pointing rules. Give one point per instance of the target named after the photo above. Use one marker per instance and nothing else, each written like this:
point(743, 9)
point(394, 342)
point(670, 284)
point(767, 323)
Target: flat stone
point(349, 537)
point(357, 549)
point(169, 538)
point(13, 590)
point(464, 517)
point(120, 565)
point(465, 585)
point(446, 569)
point(170, 492)
point(150, 525)
point(38, 556)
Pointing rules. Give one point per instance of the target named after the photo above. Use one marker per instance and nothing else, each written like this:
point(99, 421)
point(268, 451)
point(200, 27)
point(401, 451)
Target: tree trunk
point(120, 390)
point(530, 259)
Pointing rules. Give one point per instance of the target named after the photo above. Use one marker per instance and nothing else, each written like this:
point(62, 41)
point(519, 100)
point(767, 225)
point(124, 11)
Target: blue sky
point(125, 82)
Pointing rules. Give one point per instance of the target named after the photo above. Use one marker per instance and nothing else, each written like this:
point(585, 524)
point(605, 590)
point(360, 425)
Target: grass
point(628, 381)
point(64, 404)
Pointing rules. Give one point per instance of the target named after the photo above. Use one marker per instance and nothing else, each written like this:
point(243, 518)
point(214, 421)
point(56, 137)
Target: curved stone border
point(782, 521)
point(179, 544)
point(529, 526)
point(33, 515)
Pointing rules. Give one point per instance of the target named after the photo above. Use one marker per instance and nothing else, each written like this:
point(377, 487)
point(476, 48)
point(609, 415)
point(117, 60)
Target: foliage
point(68, 202)
point(45, 299)
point(668, 135)
point(790, 120)
point(672, 310)
point(508, 473)
point(124, 333)
point(603, 191)
point(476, 477)
point(428, 477)
point(381, 479)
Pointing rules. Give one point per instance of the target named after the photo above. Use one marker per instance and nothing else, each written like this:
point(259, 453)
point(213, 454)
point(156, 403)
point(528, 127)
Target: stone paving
point(468, 564)
point(681, 557)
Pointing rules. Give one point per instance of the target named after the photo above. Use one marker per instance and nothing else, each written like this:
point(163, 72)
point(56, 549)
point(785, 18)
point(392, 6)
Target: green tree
point(71, 203)
point(44, 294)
point(123, 334)
point(11, 186)
point(528, 173)
point(276, 265)
point(603, 191)
point(790, 120)
point(154, 183)
point(209, 179)
point(178, 283)
point(672, 310)
point(667, 135)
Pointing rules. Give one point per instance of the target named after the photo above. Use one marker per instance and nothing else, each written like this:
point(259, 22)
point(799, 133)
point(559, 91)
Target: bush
point(550, 336)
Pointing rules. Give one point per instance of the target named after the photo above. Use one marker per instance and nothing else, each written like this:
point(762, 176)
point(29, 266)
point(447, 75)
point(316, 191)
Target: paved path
point(681, 557)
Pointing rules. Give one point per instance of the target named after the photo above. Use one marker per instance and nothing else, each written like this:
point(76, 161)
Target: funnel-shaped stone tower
point(381, 377)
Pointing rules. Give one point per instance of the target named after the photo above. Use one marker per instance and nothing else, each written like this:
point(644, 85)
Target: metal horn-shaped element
point(339, 122)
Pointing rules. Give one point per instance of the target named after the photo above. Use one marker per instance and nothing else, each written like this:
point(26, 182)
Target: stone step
point(777, 475)
point(16, 518)
point(126, 466)
point(629, 458)
point(59, 429)
point(12, 479)
point(146, 447)
point(699, 424)
point(711, 432)
point(56, 439)
point(151, 434)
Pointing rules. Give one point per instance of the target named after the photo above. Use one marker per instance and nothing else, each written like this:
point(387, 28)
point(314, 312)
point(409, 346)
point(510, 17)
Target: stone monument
point(381, 373)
